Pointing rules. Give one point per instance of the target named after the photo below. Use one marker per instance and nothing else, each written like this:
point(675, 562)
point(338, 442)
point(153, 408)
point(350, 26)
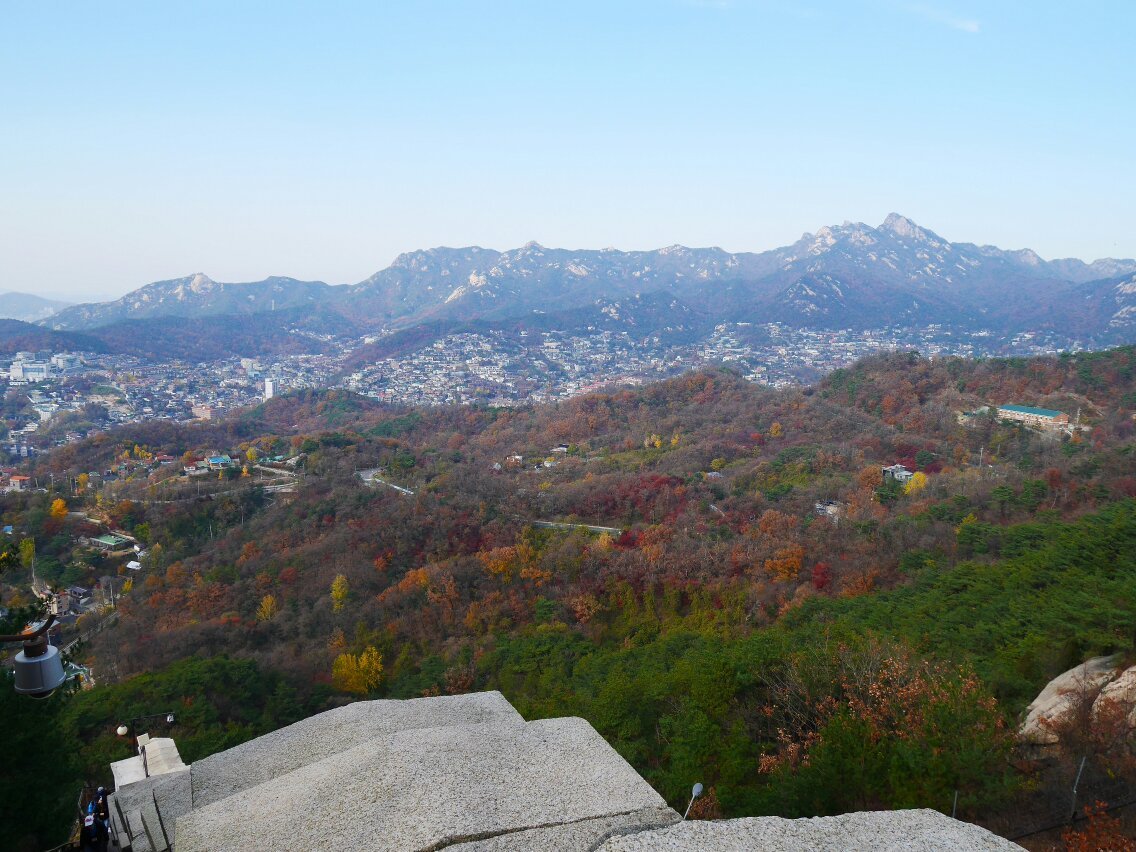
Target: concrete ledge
point(161, 758)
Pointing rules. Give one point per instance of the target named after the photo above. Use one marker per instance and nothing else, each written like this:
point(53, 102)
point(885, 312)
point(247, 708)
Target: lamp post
point(695, 792)
point(123, 730)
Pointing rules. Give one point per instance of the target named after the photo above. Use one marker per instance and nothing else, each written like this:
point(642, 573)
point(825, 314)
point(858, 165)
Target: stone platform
point(464, 773)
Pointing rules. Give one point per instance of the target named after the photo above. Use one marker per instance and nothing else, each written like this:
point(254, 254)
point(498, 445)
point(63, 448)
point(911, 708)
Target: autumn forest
point(721, 577)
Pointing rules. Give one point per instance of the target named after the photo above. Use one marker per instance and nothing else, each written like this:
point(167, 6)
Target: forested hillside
point(718, 576)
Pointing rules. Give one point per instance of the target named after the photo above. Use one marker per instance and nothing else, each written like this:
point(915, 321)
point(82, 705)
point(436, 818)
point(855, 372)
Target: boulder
point(1120, 691)
point(1060, 695)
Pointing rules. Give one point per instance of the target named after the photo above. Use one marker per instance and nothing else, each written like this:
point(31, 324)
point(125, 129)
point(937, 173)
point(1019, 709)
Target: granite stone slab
point(427, 789)
point(580, 836)
point(877, 831)
point(313, 739)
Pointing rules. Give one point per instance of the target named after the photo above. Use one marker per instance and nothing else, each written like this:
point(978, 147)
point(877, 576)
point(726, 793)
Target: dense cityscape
point(53, 398)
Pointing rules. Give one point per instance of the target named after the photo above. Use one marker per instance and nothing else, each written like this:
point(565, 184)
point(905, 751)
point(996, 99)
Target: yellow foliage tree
point(969, 519)
point(916, 484)
point(339, 592)
point(358, 674)
point(775, 431)
point(499, 562)
point(785, 564)
point(267, 609)
point(84, 479)
point(58, 508)
point(529, 561)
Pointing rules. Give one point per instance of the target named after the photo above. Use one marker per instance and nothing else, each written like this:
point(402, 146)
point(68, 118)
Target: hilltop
point(665, 561)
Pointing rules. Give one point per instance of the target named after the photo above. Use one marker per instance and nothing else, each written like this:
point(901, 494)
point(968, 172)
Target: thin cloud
point(709, 4)
point(938, 16)
point(792, 8)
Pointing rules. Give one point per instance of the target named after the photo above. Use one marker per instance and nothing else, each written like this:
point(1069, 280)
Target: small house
point(897, 472)
point(108, 542)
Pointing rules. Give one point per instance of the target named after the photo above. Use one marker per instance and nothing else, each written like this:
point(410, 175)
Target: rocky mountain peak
point(901, 226)
point(199, 282)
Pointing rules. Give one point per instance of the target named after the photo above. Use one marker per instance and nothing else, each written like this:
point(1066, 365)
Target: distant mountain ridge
point(27, 307)
point(194, 295)
point(846, 276)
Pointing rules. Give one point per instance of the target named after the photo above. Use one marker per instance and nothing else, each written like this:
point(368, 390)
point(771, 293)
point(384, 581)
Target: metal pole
point(694, 794)
point(1073, 808)
point(954, 807)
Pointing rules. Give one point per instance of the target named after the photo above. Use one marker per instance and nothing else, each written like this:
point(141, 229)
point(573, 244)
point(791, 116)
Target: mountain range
point(28, 308)
point(847, 276)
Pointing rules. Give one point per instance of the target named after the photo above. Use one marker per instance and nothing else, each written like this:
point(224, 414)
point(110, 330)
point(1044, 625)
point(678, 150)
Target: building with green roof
point(1039, 418)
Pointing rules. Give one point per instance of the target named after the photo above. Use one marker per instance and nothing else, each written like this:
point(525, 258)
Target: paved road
point(371, 477)
point(561, 525)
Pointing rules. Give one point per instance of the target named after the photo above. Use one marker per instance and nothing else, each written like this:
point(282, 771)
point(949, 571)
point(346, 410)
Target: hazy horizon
point(147, 143)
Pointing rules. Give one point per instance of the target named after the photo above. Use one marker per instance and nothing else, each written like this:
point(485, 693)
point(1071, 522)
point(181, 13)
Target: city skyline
point(147, 144)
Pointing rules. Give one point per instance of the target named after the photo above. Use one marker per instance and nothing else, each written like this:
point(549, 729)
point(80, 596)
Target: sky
point(145, 141)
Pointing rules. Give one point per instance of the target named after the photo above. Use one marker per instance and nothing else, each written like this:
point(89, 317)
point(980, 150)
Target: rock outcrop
point(1094, 685)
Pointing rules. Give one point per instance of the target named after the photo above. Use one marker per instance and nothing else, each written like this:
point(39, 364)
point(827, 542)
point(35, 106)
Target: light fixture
point(38, 666)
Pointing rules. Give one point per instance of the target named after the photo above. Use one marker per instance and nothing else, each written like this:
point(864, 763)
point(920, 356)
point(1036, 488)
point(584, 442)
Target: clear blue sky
point(141, 141)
